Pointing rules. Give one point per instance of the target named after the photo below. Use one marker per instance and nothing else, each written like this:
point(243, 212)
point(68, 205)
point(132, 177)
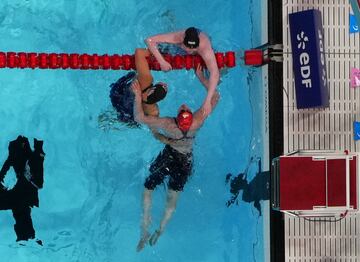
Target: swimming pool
point(90, 205)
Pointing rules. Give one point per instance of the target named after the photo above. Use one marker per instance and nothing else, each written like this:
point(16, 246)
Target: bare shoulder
point(198, 119)
point(172, 37)
point(165, 123)
point(179, 35)
point(204, 37)
point(205, 41)
point(151, 109)
point(205, 49)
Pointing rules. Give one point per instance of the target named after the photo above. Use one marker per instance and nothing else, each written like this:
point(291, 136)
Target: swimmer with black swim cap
point(154, 93)
point(192, 41)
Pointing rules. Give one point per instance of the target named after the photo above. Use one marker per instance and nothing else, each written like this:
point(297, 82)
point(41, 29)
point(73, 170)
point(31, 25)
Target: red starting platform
point(316, 183)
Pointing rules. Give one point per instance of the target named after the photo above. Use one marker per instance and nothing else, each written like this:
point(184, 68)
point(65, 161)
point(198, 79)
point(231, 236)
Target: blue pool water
point(90, 206)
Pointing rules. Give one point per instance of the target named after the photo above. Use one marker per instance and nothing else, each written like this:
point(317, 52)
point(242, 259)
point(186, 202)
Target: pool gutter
point(276, 146)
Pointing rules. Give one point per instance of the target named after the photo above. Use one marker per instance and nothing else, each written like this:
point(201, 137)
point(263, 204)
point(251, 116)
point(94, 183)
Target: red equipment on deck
point(316, 183)
point(254, 57)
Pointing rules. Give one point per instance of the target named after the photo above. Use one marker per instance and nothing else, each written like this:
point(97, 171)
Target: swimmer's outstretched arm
point(208, 56)
point(206, 83)
point(142, 68)
point(200, 115)
point(145, 79)
point(153, 41)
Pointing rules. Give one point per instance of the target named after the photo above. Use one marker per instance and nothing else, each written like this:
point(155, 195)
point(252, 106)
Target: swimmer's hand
point(206, 108)
point(165, 66)
point(135, 87)
point(200, 74)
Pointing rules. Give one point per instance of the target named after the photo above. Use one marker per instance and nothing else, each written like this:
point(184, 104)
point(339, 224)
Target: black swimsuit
point(172, 163)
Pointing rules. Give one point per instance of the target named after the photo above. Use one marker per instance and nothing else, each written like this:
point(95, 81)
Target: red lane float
point(23, 60)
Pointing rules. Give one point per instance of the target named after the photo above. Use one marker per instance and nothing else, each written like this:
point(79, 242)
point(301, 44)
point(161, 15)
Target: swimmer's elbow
point(139, 119)
point(149, 41)
point(146, 41)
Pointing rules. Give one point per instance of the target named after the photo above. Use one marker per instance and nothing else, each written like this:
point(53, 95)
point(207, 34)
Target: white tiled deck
point(329, 128)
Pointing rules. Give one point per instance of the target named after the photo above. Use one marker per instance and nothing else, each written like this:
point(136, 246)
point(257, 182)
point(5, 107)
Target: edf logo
point(308, 57)
point(304, 59)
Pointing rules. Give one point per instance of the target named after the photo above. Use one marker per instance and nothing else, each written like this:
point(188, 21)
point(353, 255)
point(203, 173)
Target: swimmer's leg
point(171, 201)
point(146, 219)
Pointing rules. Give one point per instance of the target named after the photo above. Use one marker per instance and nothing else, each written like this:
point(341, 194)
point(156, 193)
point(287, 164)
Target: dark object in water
point(256, 190)
point(28, 166)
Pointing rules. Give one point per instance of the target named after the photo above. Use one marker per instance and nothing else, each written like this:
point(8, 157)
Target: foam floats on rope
point(23, 60)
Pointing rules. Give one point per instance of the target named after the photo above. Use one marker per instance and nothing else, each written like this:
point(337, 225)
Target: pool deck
point(320, 129)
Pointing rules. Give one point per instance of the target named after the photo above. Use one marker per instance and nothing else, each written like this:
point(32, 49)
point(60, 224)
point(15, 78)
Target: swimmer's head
point(154, 93)
point(191, 39)
point(184, 118)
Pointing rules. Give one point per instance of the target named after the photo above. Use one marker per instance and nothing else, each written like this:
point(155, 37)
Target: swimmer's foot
point(154, 237)
point(144, 239)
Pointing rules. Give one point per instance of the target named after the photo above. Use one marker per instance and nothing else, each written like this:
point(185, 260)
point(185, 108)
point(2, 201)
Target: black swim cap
point(158, 94)
point(191, 39)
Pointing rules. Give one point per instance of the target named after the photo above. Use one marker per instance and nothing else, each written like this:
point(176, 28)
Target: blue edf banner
point(355, 5)
point(307, 43)
point(354, 27)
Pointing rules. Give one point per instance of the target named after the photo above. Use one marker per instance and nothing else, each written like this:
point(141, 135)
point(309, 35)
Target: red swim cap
point(184, 120)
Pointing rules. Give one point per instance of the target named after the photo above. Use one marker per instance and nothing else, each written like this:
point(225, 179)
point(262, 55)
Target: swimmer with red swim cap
point(174, 161)
point(192, 41)
point(184, 118)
